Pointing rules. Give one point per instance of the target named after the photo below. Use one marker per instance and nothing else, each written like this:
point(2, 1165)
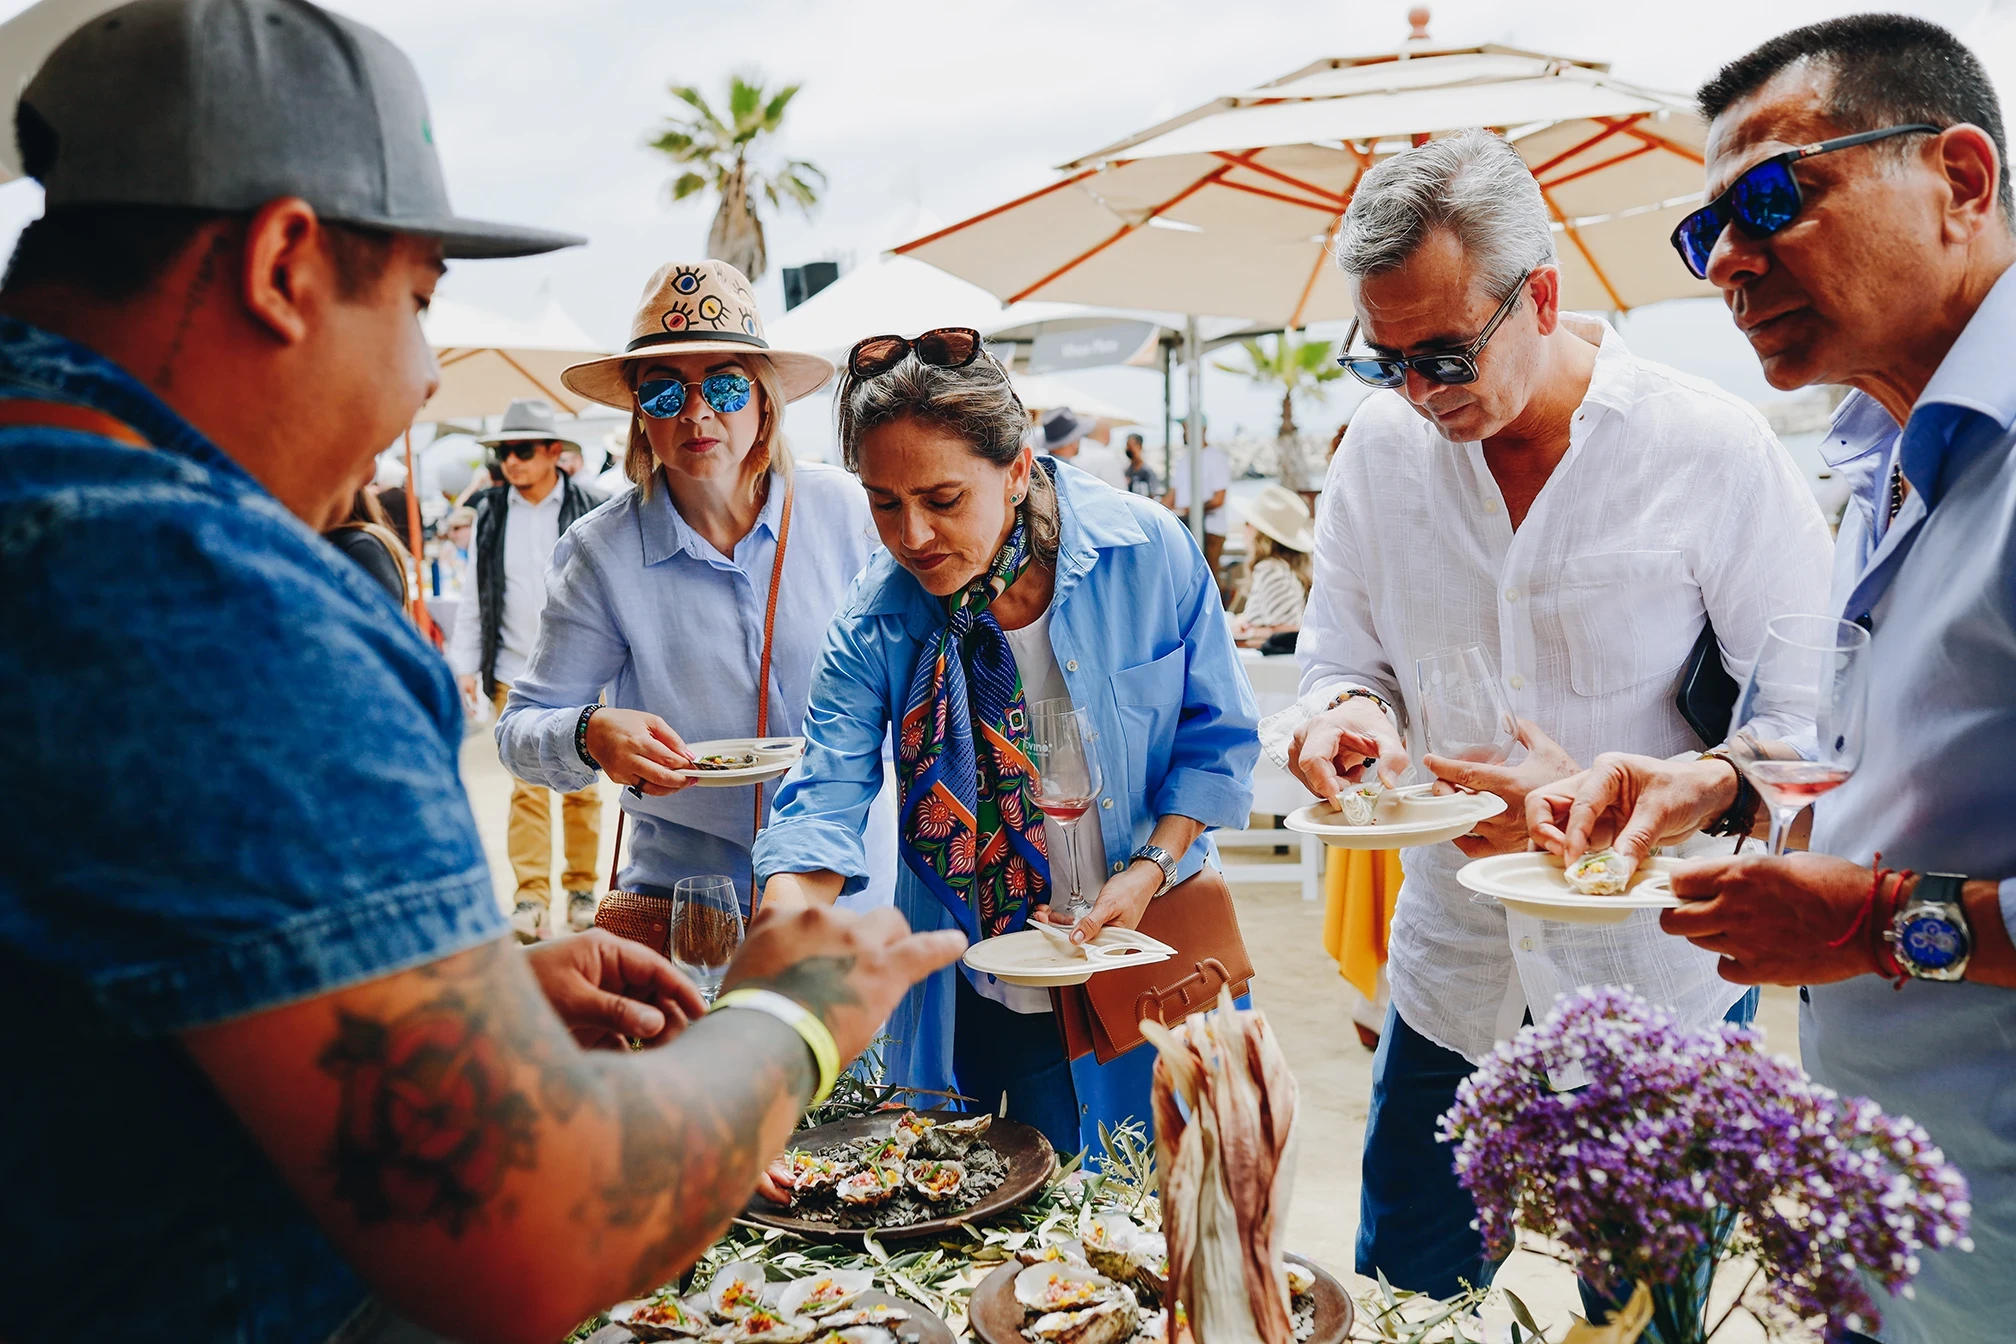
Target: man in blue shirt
point(1886, 267)
point(274, 1068)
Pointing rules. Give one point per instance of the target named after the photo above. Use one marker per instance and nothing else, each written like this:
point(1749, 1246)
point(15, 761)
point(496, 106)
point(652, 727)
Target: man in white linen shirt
point(1580, 513)
point(518, 525)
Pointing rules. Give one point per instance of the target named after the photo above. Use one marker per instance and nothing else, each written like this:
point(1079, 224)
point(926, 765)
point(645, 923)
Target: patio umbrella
point(1232, 208)
point(487, 359)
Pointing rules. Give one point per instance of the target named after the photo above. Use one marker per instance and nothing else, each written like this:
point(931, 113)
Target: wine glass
point(706, 930)
point(1061, 742)
point(1464, 713)
point(1809, 688)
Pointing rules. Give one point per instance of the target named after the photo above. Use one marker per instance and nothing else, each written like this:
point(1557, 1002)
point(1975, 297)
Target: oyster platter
point(742, 1306)
point(1107, 1287)
point(906, 1174)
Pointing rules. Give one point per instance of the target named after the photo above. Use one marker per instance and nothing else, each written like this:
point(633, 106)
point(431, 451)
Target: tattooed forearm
point(820, 983)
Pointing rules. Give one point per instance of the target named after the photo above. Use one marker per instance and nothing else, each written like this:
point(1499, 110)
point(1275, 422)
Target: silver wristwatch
point(1162, 859)
point(1931, 937)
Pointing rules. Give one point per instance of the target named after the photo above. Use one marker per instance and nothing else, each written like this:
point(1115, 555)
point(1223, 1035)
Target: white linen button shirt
point(1673, 506)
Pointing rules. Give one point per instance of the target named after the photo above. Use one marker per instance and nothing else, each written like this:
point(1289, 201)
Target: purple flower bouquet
point(1687, 1147)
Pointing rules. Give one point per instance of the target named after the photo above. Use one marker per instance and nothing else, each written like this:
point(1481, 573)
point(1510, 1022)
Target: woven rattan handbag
point(640, 916)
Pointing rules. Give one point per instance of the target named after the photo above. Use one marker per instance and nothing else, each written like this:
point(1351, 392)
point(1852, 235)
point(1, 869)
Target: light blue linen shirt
point(1934, 789)
point(1138, 631)
point(640, 603)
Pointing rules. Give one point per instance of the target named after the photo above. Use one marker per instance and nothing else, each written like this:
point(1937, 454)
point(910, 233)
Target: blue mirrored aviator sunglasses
point(1765, 198)
point(663, 398)
point(1447, 367)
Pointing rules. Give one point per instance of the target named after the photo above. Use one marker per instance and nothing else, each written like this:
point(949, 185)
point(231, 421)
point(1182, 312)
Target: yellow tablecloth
point(1360, 887)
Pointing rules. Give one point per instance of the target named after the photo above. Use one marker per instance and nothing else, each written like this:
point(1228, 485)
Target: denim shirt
point(1932, 793)
point(233, 785)
point(639, 603)
point(1137, 628)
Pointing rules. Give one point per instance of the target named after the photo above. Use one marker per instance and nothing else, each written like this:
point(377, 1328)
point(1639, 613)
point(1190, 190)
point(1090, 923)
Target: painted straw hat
point(700, 308)
point(1279, 512)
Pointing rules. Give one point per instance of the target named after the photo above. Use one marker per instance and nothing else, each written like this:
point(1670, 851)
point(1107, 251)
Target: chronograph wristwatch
point(1930, 935)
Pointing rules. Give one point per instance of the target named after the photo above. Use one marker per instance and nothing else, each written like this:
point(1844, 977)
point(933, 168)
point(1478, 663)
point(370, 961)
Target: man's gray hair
point(1475, 185)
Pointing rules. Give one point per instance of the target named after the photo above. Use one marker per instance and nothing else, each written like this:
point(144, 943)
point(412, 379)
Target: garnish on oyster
point(774, 1327)
point(910, 1127)
point(1301, 1280)
point(870, 1185)
point(935, 1180)
point(1357, 804)
point(1056, 1286)
point(879, 1314)
point(1600, 872)
point(660, 1318)
point(823, 1294)
point(737, 1290)
point(1065, 1252)
point(1121, 1248)
point(811, 1173)
point(1101, 1323)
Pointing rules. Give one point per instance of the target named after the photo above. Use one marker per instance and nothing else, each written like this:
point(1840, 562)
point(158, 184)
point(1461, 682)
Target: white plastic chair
point(1275, 792)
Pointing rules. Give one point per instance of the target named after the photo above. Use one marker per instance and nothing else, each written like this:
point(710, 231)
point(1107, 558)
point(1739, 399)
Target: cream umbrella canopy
point(487, 359)
point(1231, 208)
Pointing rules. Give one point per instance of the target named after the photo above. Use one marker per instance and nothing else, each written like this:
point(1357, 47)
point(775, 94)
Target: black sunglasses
point(1448, 367)
point(1764, 198)
point(523, 449)
point(945, 347)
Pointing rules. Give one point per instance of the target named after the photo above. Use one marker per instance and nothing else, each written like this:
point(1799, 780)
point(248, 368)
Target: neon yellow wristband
point(800, 1019)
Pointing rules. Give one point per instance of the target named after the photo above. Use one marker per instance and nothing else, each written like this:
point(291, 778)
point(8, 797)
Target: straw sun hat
point(1279, 512)
point(703, 308)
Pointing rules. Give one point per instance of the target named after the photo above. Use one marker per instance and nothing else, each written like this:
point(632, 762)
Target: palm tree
point(716, 154)
point(1297, 368)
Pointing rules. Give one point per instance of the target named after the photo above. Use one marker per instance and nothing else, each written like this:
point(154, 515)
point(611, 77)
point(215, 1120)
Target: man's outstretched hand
point(607, 989)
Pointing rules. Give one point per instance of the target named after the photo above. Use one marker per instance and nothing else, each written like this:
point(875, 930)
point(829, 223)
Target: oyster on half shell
point(953, 1138)
point(737, 1290)
point(935, 1180)
point(1357, 804)
point(823, 1294)
point(811, 1173)
point(661, 1318)
point(881, 1314)
point(773, 1327)
point(1600, 872)
point(1101, 1323)
point(870, 1186)
point(1056, 1286)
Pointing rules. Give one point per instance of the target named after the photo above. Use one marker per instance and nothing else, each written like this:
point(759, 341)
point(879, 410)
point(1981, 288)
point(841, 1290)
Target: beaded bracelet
point(581, 736)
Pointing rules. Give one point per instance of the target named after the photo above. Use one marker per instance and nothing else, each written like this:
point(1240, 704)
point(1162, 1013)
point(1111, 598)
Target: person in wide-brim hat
point(1279, 540)
point(724, 564)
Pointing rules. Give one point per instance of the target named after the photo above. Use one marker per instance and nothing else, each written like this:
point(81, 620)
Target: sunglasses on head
point(1764, 198)
point(945, 347)
point(524, 449)
point(663, 398)
point(1448, 367)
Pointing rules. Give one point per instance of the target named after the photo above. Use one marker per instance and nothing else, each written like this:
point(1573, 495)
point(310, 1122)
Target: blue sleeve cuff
point(325, 949)
point(1217, 800)
point(537, 745)
point(811, 845)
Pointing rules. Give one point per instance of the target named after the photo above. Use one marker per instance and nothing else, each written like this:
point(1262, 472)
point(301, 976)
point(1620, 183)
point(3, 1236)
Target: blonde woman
point(659, 603)
point(1279, 538)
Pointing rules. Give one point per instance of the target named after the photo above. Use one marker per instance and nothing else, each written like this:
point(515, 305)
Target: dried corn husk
point(1227, 1171)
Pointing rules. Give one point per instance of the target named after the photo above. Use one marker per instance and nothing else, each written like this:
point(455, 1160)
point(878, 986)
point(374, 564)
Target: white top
point(1043, 680)
point(1217, 476)
point(1673, 505)
point(1275, 598)
point(531, 531)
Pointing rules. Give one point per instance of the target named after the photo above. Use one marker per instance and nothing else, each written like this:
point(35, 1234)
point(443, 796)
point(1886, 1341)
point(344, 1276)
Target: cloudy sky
point(926, 113)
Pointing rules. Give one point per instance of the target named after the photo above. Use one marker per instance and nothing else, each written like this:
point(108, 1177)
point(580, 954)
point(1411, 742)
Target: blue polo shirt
point(227, 782)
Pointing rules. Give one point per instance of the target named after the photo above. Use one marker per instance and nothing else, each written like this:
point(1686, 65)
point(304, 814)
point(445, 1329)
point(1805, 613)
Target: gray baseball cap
point(227, 104)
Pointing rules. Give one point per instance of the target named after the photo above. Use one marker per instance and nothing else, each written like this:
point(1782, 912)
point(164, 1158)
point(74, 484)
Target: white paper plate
point(1034, 958)
point(774, 758)
point(1403, 817)
point(1534, 884)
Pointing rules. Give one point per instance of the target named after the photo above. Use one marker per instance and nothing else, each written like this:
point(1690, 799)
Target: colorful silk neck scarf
point(970, 828)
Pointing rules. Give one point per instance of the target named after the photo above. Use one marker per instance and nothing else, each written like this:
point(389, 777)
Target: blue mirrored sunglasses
point(663, 398)
point(1765, 198)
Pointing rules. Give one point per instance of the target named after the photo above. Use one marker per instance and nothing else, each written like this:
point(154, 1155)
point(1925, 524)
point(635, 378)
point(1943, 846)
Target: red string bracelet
point(1886, 956)
point(1867, 912)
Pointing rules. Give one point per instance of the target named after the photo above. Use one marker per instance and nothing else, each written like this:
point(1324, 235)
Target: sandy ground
point(1309, 1007)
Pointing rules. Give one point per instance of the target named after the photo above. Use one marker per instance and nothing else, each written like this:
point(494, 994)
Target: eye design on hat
point(686, 280)
point(677, 318)
point(734, 282)
point(749, 323)
point(712, 311)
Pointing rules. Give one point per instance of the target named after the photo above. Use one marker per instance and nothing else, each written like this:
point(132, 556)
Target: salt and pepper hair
point(976, 404)
point(1472, 184)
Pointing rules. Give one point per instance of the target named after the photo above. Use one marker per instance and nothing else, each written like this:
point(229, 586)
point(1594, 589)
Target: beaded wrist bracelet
point(581, 737)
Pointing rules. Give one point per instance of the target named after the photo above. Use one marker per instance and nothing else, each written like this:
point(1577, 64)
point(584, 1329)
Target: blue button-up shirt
point(1934, 791)
point(1139, 634)
point(640, 603)
point(231, 784)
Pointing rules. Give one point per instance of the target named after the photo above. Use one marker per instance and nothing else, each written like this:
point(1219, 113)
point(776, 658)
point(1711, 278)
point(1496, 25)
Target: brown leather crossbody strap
point(763, 671)
point(68, 415)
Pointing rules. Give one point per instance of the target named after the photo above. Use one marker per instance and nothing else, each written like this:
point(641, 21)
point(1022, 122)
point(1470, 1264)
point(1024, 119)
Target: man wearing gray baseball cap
point(274, 1068)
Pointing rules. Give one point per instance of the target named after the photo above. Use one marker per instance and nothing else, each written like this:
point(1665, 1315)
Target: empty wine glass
point(1464, 713)
point(706, 930)
point(1807, 691)
point(1061, 742)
